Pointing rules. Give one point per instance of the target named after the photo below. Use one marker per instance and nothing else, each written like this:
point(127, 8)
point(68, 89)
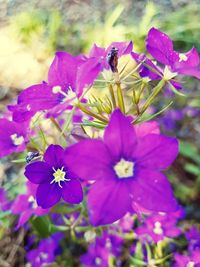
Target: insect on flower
point(32, 155)
point(112, 59)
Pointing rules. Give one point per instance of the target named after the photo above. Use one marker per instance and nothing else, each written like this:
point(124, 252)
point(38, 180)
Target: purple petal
point(35, 98)
point(195, 72)
point(192, 59)
point(20, 204)
point(108, 201)
point(38, 172)
point(63, 70)
point(72, 191)
point(152, 191)
point(156, 151)
point(7, 129)
point(119, 136)
point(145, 71)
point(124, 48)
point(24, 217)
point(97, 51)
point(39, 97)
point(48, 195)
point(176, 84)
point(20, 112)
point(88, 159)
point(160, 46)
point(145, 128)
point(54, 156)
point(87, 73)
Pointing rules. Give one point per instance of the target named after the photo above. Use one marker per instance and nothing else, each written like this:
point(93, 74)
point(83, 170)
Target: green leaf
point(192, 169)
point(110, 21)
point(174, 90)
point(95, 124)
point(42, 226)
point(4, 214)
point(190, 151)
point(150, 117)
point(136, 262)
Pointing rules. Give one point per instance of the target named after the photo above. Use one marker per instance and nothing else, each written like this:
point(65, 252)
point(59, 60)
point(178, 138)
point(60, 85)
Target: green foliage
point(36, 26)
point(183, 26)
point(190, 151)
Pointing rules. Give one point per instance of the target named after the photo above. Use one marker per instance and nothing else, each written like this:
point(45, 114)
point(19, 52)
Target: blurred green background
point(31, 31)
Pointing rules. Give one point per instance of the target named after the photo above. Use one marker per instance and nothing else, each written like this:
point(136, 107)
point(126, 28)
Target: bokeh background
point(30, 33)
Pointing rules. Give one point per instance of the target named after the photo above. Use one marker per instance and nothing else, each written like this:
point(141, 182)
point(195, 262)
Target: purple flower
point(98, 61)
point(99, 251)
point(155, 73)
point(126, 223)
point(191, 111)
point(25, 205)
point(4, 202)
point(13, 137)
point(55, 179)
point(171, 118)
point(102, 54)
point(157, 227)
point(126, 170)
point(97, 254)
point(46, 251)
point(144, 71)
point(160, 46)
point(193, 237)
point(192, 260)
point(56, 95)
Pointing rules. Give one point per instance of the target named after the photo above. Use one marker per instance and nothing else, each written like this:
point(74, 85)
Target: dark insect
point(112, 59)
point(32, 155)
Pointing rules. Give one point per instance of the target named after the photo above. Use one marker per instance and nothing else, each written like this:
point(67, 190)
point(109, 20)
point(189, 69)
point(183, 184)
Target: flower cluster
point(94, 161)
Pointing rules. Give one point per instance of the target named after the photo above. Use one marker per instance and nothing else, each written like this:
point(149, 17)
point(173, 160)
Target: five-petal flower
point(55, 179)
point(126, 170)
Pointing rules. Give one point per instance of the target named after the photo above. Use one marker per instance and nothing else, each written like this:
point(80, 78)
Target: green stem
point(135, 100)
point(120, 98)
point(151, 98)
point(92, 114)
point(57, 127)
point(112, 96)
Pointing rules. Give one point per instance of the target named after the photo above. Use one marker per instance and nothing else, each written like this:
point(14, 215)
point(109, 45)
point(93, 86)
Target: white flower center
point(190, 264)
point(17, 140)
point(182, 57)
point(56, 89)
point(70, 94)
point(158, 228)
point(124, 169)
point(98, 261)
point(33, 202)
point(59, 176)
point(43, 255)
point(168, 75)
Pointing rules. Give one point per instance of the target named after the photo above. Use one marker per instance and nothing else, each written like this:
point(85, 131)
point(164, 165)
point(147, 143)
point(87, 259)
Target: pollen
point(182, 57)
point(124, 169)
point(56, 89)
point(17, 140)
point(59, 176)
point(158, 228)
